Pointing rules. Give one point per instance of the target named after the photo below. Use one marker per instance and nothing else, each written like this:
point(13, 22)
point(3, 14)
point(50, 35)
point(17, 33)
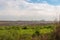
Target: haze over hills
point(7, 23)
point(29, 11)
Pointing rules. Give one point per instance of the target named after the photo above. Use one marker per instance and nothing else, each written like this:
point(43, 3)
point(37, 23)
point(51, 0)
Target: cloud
point(22, 10)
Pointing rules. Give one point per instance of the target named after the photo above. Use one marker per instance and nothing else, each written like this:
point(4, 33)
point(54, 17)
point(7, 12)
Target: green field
point(28, 32)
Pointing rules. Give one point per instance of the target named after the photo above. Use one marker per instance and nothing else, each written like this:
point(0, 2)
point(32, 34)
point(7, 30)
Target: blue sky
point(29, 9)
point(51, 2)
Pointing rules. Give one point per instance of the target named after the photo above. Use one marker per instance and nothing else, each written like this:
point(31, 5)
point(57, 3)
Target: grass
point(25, 32)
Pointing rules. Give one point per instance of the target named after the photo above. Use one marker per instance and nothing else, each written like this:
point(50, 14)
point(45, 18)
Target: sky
point(29, 10)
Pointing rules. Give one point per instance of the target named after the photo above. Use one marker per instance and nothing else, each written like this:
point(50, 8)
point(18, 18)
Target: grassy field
point(27, 32)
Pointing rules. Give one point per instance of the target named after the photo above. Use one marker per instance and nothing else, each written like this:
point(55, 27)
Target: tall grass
point(27, 32)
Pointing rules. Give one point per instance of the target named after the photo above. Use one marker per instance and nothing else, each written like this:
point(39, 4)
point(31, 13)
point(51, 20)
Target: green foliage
point(37, 33)
point(25, 32)
point(24, 27)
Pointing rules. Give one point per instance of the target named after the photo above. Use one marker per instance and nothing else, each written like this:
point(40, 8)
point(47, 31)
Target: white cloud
point(28, 11)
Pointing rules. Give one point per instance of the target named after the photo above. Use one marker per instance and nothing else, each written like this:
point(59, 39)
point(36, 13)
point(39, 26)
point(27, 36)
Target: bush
point(24, 27)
